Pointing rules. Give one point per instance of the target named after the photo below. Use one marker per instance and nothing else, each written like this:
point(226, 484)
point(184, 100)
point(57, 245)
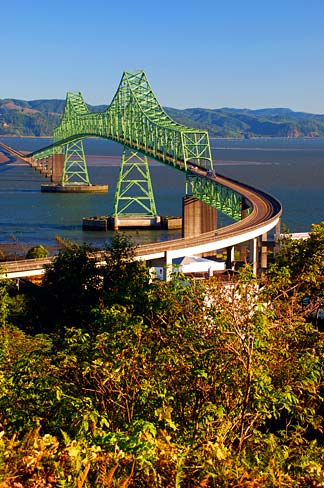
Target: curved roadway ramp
point(265, 215)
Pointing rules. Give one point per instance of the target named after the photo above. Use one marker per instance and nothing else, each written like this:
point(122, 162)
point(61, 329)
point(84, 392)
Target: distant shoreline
point(16, 136)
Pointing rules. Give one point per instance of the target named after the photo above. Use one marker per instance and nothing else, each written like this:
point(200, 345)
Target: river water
point(290, 169)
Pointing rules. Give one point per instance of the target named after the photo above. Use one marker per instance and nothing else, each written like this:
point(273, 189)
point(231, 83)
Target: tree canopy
point(143, 383)
point(37, 252)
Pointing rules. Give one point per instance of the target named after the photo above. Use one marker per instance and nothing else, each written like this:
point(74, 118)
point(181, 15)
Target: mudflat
point(3, 158)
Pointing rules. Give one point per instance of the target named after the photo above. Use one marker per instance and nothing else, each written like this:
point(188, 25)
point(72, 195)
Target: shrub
point(37, 252)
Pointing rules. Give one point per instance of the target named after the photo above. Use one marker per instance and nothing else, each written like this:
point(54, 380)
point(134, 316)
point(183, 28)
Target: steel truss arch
point(136, 119)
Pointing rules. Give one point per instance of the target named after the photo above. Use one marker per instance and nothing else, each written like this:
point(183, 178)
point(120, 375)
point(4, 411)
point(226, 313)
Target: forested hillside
point(39, 117)
point(33, 118)
point(231, 122)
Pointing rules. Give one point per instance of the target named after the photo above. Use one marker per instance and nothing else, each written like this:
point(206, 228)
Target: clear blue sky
point(207, 53)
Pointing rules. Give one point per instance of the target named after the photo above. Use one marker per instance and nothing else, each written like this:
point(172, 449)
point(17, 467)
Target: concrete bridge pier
point(254, 255)
point(45, 164)
point(167, 265)
point(253, 252)
point(263, 253)
point(197, 217)
point(258, 255)
point(277, 237)
point(57, 168)
point(256, 250)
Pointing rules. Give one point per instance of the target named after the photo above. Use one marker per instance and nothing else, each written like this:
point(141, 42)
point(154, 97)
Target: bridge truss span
point(135, 118)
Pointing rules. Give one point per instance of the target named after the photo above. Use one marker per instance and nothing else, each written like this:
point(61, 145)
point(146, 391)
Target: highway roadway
point(265, 215)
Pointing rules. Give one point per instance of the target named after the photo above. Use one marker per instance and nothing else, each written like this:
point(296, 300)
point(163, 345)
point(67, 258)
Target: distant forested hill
point(231, 122)
point(39, 117)
point(33, 118)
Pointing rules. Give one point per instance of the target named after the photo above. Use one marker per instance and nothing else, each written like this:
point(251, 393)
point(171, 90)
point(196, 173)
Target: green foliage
point(163, 384)
point(75, 284)
point(37, 252)
point(4, 302)
point(298, 273)
point(126, 281)
point(71, 288)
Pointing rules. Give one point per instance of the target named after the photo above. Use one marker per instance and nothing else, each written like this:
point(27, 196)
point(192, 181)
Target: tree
point(298, 272)
point(80, 279)
point(4, 301)
point(37, 252)
point(71, 289)
point(126, 281)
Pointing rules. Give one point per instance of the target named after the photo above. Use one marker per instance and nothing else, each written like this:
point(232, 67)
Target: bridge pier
point(197, 217)
point(254, 255)
point(58, 164)
point(258, 254)
point(167, 266)
point(263, 253)
point(277, 237)
point(243, 248)
point(57, 168)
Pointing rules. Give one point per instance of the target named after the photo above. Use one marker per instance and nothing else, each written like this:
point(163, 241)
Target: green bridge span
point(136, 120)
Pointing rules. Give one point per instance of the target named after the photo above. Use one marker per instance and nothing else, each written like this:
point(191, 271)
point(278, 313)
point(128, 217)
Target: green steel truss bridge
point(136, 120)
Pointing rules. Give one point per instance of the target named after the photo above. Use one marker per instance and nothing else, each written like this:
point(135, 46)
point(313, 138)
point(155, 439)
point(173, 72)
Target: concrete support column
point(242, 248)
point(47, 165)
point(57, 168)
point(264, 252)
point(44, 164)
point(197, 217)
point(277, 238)
point(254, 255)
point(167, 266)
point(115, 223)
point(230, 257)
point(37, 165)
